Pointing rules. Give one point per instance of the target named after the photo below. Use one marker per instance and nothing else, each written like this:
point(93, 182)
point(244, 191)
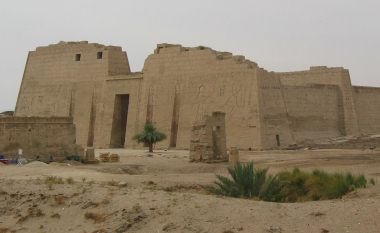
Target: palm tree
point(149, 136)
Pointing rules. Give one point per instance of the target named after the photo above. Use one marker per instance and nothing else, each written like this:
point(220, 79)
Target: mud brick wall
point(36, 136)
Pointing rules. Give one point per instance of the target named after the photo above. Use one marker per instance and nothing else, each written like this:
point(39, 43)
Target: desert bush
point(246, 182)
point(317, 185)
point(271, 189)
point(286, 186)
point(53, 180)
point(293, 185)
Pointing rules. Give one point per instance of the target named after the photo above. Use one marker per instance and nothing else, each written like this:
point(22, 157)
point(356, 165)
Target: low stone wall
point(37, 136)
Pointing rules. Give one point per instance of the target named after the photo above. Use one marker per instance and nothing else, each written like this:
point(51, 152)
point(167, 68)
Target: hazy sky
point(280, 35)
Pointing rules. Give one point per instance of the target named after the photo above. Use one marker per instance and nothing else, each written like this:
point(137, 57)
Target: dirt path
point(162, 193)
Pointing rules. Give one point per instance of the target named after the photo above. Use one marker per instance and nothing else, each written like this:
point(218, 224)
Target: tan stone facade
point(93, 84)
point(38, 136)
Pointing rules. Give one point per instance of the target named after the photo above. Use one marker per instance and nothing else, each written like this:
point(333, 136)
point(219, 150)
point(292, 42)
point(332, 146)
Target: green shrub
point(246, 182)
point(149, 136)
point(293, 185)
point(286, 186)
point(271, 189)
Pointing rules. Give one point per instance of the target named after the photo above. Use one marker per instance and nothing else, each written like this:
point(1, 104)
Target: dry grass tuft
point(70, 180)
point(32, 212)
point(105, 202)
point(50, 186)
point(50, 181)
point(60, 199)
point(112, 183)
point(317, 214)
point(150, 183)
point(56, 215)
point(38, 181)
point(97, 218)
point(90, 204)
point(180, 187)
point(137, 208)
point(53, 180)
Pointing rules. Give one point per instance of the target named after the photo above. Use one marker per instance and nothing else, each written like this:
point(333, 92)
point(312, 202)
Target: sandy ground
point(161, 192)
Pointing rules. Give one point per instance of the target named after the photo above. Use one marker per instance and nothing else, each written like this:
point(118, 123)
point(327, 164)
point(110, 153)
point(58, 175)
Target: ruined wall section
point(201, 81)
point(314, 111)
point(331, 76)
point(368, 109)
point(208, 139)
point(275, 126)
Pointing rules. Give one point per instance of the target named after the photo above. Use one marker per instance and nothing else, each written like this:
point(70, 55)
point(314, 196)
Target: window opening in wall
point(278, 140)
point(77, 57)
point(100, 55)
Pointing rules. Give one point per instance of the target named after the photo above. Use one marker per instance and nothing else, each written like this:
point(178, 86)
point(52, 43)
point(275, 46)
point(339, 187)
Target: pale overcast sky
point(280, 35)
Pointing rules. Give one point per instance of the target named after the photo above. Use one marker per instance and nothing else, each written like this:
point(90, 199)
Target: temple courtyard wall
point(367, 102)
point(178, 86)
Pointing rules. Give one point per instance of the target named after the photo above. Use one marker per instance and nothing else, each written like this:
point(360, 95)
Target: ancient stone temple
point(93, 85)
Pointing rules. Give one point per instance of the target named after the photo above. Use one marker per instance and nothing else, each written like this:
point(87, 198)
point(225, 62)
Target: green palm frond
point(245, 181)
point(149, 135)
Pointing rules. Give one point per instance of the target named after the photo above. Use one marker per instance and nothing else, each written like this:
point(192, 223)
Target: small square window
point(77, 57)
point(100, 55)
